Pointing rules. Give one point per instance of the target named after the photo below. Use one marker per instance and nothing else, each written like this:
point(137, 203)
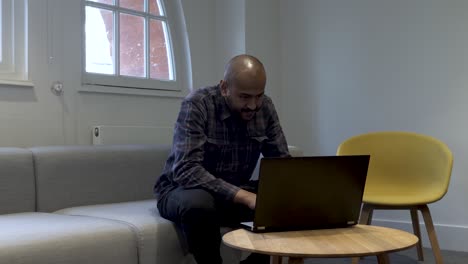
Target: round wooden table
point(355, 241)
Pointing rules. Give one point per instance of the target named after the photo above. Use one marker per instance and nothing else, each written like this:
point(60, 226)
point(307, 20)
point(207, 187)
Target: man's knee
point(198, 205)
point(190, 206)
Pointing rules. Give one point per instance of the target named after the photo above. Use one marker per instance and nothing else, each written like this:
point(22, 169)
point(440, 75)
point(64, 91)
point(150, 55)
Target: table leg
point(296, 261)
point(276, 259)
point(383, 259)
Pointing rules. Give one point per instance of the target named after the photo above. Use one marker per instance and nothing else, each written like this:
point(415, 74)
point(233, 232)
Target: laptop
point(300, 193)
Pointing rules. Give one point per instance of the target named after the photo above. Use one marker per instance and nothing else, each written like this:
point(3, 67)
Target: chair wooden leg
point(296, 261)
point(369, 218)
point(276, 259)
point(383, 259)
point(417, 232)
point(431, 233)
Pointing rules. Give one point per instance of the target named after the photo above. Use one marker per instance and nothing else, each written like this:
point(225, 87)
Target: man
point(219, 135)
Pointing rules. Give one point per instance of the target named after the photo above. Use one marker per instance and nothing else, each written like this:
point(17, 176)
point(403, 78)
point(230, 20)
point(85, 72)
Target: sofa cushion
point(17, 192)
point(159, 240)
point(42, 238)
point(70, 176)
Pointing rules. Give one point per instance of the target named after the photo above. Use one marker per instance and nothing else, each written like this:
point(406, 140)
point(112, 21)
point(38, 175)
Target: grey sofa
point(87, 204)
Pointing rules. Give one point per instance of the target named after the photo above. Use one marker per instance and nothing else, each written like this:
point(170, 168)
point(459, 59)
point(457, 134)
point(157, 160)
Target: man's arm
point(246, 197)
point(188, 147)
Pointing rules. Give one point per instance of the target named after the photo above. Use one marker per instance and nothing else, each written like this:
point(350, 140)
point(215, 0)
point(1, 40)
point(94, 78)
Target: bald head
point(244, 70)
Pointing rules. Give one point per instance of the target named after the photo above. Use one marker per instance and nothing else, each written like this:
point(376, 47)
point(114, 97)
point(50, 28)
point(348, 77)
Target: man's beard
point(248, 110)
point(242, 110)
point(238, 113)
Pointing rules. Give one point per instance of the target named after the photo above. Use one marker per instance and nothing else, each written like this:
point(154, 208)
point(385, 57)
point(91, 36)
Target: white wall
point(201, 27)
point(250, 27)
point(229, 32)
point(217, 30)
point(363, 65)
point(262, 39)
point(32, 116)
point(111, 109)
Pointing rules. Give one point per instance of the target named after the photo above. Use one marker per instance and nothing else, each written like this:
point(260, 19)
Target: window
point(13, 42)
point(128, 43)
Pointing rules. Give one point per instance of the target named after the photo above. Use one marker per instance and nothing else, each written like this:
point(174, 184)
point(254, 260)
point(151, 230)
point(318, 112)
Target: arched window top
point(136, 44)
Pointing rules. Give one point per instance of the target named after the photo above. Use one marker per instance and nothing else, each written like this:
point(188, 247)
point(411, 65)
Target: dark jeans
point(200, 215)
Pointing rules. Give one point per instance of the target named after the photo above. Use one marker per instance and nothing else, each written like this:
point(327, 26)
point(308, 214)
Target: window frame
point(14, 30)
point(176, 37)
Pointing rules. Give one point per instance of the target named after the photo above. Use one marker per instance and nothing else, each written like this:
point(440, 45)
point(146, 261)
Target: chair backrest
point(403, 160)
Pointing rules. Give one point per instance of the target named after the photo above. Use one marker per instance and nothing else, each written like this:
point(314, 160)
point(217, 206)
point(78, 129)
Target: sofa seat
point(44, 238)
point(158, 239)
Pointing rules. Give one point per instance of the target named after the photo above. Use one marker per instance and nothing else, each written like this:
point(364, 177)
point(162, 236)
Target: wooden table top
point(359, 240)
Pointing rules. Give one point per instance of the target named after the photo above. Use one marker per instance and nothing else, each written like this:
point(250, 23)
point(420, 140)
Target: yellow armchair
point(406, 171)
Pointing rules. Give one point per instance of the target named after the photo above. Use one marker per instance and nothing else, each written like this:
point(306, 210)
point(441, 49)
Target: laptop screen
point(310, 192)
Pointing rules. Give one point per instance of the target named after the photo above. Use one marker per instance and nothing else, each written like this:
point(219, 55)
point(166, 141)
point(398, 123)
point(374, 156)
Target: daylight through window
point(13, 42)
point(129, 40)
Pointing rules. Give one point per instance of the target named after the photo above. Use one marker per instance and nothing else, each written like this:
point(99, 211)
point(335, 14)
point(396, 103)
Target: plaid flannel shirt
point(216, 151)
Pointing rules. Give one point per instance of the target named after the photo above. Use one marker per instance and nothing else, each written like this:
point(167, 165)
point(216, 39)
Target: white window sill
point(131, 91)
point(18, 83)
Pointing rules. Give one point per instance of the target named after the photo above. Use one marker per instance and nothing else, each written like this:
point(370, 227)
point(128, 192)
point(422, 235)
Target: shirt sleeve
point(275, 145)
point(189, 140)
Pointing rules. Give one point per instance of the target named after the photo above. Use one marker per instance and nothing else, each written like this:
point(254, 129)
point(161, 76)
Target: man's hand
point(245, 197)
